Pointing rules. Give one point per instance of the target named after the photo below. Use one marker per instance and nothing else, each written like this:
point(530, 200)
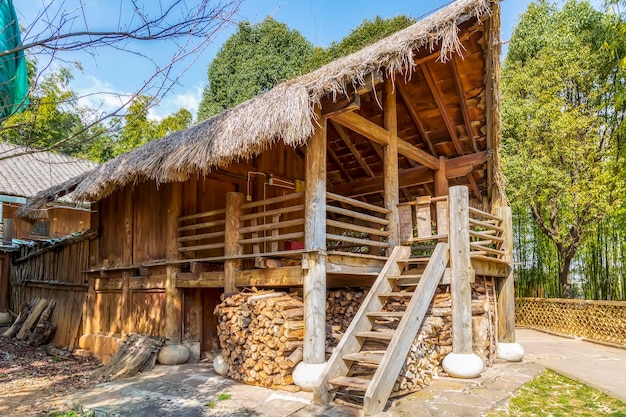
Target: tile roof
point(26, 175)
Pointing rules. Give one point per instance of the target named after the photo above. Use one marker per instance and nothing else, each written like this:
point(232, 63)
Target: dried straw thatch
point(285, 113)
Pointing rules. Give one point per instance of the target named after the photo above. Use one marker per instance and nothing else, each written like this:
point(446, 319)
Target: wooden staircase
point(339, 377)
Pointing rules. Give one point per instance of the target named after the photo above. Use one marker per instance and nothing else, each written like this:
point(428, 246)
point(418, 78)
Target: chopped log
point(44, 328)
point(32, 318)
point(136, 354)
point(21, 318)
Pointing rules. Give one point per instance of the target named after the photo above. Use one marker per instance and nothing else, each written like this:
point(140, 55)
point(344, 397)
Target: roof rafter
point(415, 117)
point(463, 103)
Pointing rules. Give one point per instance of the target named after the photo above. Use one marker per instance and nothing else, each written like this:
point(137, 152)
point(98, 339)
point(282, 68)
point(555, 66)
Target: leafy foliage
point(367, 33)
point(253, 60)
point(560, 138)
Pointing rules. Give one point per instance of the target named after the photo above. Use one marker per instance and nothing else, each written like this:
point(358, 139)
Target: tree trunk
point(564, 275)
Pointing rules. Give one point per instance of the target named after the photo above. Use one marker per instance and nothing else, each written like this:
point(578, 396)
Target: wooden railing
point(486, 236)
point(202, 232)
point(272, 225)
point(417, 223)
point(355, 226)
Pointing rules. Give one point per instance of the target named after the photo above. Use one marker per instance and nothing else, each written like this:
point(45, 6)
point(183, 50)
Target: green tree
point(253, 60)
point(560, 141)
point(51, 116)
point(368, 32)
point(138, 128)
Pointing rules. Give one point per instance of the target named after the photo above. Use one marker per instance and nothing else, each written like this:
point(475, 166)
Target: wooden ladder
point(388, 361)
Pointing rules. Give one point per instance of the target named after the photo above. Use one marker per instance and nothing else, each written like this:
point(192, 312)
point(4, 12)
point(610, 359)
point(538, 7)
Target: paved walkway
point(599, 366)
point(193, 390)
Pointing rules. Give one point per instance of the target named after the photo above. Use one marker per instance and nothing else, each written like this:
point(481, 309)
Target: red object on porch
point(292, 245)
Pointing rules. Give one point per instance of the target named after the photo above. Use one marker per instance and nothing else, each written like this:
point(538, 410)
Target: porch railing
point(355, 226)
point(424, 219)
point(272, 225)
point(202, 232)
point(486, 236)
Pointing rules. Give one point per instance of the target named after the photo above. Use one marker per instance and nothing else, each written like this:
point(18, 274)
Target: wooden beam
point(344, 173)
point(232, 246)
point(343, 105)
point(415, 117)
point(463, 103)
point(173, 295)
point(290, 276)
point(372, 131)
point(441, 181)
point(314, 263)
point(474, 186)
point(506, 290)
point(434, 90)
point(390, 163)
point(410, 177)
point(346, 139)
point(461, 269)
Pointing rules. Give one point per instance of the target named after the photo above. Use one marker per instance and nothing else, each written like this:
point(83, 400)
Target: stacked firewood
point(341, 306)
point(33, 323)
point(261, 335)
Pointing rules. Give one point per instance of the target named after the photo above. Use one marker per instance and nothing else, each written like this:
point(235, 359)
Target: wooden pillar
point(506, 287)
point(460, 266)
point(4, 282)
point(314, 263)
point(126, 321)
point(173, 295)
point(231, 240)
point(441, 189)
point(390, 163)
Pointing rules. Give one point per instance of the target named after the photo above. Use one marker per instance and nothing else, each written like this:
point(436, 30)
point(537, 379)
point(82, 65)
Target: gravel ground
point(33, 382)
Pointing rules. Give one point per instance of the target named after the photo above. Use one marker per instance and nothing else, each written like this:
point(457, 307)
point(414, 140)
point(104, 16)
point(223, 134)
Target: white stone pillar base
point(510, 352)
point(220, 365)
point(305, 375)
point(462, 365)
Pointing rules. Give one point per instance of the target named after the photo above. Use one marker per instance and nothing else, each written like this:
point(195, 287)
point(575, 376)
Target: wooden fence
point(55, 272)
point(603, 321)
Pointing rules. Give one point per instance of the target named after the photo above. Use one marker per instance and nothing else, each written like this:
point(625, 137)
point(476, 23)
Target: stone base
point(510, 352)
point(194, 351)
point(305, 375)
point(462, 365)
point(5, 318)
point(173, 355)
point(220, 365)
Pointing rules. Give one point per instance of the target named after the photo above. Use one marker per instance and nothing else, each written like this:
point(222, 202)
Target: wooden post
point(315, 242)
point(173, 295)
point(390, 163)
point(506, 288)
point(231, 240)
point(460, 266)
point(125, 319)
point(441, 189)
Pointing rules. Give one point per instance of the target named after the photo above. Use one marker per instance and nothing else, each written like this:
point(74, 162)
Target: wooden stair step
point(396, 294)
point(368, 357)
point(418, 260)
point(350, 381)
point(376, 335)
point(386, 314)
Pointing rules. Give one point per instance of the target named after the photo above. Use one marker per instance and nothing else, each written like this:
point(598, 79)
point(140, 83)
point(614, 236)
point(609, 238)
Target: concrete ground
point(193, 389)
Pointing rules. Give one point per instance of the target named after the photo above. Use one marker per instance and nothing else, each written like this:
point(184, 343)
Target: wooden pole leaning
point(307, 372)
point(462, 362)
point(507, 348)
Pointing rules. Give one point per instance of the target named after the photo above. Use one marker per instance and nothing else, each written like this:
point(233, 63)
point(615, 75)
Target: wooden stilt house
point(378, 170)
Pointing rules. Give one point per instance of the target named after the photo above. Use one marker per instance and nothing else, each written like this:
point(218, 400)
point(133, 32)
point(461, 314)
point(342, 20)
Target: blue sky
point(320, 21)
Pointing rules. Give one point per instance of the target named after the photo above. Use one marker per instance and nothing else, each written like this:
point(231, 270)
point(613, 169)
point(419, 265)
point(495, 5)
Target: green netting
point(13, 72)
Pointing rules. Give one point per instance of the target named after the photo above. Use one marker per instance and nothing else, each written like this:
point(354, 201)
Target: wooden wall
point(54, 272)
point(63, 222)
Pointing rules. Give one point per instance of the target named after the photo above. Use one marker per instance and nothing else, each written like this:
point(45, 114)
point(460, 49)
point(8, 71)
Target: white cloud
point(188, 99)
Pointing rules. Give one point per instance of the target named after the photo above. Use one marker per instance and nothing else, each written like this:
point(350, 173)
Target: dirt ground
point(33, 382)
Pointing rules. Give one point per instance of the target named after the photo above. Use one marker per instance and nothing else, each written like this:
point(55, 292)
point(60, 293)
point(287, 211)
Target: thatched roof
point(285, 112)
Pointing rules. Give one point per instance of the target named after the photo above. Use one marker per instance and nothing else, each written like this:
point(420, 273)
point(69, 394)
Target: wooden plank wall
point(63, 221)
point(54, 273)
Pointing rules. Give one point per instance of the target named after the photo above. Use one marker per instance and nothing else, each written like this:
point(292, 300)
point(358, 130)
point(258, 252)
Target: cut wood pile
point(33, 324)
point(434, 340)
point(261, 333)
point(136, 354)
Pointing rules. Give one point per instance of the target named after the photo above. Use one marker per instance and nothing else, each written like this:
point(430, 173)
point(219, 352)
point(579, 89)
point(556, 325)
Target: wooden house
point(22, 175)
point(336, 178)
